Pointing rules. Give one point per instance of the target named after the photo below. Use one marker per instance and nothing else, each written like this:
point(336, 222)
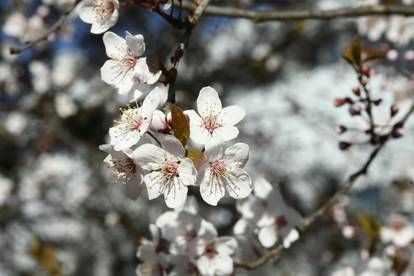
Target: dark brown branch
point(276, 253)
point(286, 15)
point(56, 26)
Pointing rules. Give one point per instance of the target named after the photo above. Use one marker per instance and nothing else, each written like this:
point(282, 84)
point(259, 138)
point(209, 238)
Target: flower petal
point(154, 184)
point(115, 46)
point(135, 43)
point(173, 146)
point(208, 102)
point(211, 188)
point(226, 245)
point(268, 236)
point(175, 197)
point(198, 134)
point(231, 115)
point(224, 265)
point(87, 12)
point(149, 157)
point(133, 187)
point(239, 184)
point(237, 154)
point(262, 188)
point(118, 75)
point(188, 173)
point(214, 149)
point(122, 137)
point(227, 133)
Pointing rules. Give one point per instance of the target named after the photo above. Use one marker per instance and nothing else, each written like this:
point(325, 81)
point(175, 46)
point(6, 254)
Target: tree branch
point(276, 253)
point(286, 15)
point(44, 36)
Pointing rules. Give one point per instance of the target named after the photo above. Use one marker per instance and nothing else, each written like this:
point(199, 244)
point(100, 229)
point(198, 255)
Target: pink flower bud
point(394, 110)
point(356, 90)
point(366, 70)
point(159, 122)
point(344, 145)
point(341, 129)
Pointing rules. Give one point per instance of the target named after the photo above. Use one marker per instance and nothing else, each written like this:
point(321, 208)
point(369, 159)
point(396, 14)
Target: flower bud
point(364, 82)
point(356, 90)
point(159, 122)
point(344, 145)
point(341, 101)
point(394, 110)
point(366, 70)
point(397, 132)
point(341, 129)
point(355, 110)
point(377, 102)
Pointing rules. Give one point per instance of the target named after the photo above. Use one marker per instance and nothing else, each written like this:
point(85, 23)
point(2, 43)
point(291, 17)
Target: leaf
point(352, 53)
point(45, 256)
point(369, 53)
point(369, 225)
point(195, 155)
point(180, 124)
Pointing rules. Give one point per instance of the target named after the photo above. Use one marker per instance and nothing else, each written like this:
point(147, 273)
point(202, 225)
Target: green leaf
point(180, 124)
point(369, 225)
point(45, 256)
point(195, 155)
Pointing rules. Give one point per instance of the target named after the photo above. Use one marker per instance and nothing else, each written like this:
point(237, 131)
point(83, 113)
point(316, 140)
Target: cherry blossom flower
point(267, 214)
point(153, 254)
point(169, 172)
point(102, 14)
point(222, 170)
point(127, 70)
point(124, 170)
point(183, 229)
point(134, 123)
point(214, 254)
point(212, 120)
point(399, 232)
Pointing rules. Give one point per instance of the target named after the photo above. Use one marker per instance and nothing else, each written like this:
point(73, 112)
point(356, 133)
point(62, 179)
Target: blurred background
point(61, 213)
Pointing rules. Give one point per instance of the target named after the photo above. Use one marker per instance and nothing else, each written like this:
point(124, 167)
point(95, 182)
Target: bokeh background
point(59, 206)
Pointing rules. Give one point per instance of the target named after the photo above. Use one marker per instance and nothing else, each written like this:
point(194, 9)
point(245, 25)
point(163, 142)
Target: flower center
point(217, 167)
point(133, 119)
point(210, 123)
point(130, 61)
point(210, 250)
point(123, 168)
point(169, 169)
point(190, 234)
point(103, 8)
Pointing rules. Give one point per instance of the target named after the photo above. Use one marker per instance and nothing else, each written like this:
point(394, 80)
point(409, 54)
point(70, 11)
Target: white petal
point(262, 188)
point(198, 134)
point(237, 154)
point(149, 157)
point(223, 265)
point(115, 46)
point(214, 149)
point(149, 105)
point(118, 75)
point(135, 43)
point(173, 146)
point(227, 133)
point(268, 236)
point(290, 238)
point(87, 12)
point(154, 184)
point(205, 266)
point(143, 73)
point(208, 102)
point(147, 253)
point(187, 171)
point(211, 189)
point(239, 184)
point(226, 245)
point(167, 222)
point(231, 115)
point(175, 197)
point(122, 137)
point(133, 187)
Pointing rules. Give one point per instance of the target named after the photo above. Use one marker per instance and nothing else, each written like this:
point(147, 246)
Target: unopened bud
point(394, 110)
point(364, 82)
point(341, 101)
point(356, 90)
point(344, 145)
point(366, 71)
point(397, 132)
point(341, 129)
point(377, 102)
point(355, 110)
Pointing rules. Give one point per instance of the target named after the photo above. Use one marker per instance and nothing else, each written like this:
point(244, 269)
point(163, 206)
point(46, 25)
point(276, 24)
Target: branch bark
point(276, 252)
point(288, 15)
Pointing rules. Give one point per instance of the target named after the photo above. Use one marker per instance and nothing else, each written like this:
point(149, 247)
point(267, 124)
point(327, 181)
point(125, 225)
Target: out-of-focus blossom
point(398, 231)
point(16, 122)
point(102, 14)
point(40, 76)
point(168, 171)
point(6, 186)
point(64, 105)
point(223, 171)
point(213, 121)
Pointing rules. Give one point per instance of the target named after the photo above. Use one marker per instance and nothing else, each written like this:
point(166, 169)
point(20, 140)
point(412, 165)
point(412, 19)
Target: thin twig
point(286, 15)
point(276, 253)
point(45, 35)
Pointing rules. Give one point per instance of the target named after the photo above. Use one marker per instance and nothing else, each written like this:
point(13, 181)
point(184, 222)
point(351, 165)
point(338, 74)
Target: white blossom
point(223, 171)
point(134, 123)
point(399, 232)
point(168, 171)
point(102, 14)
point(127, 70)
point(124, 170)
point(212, 120)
